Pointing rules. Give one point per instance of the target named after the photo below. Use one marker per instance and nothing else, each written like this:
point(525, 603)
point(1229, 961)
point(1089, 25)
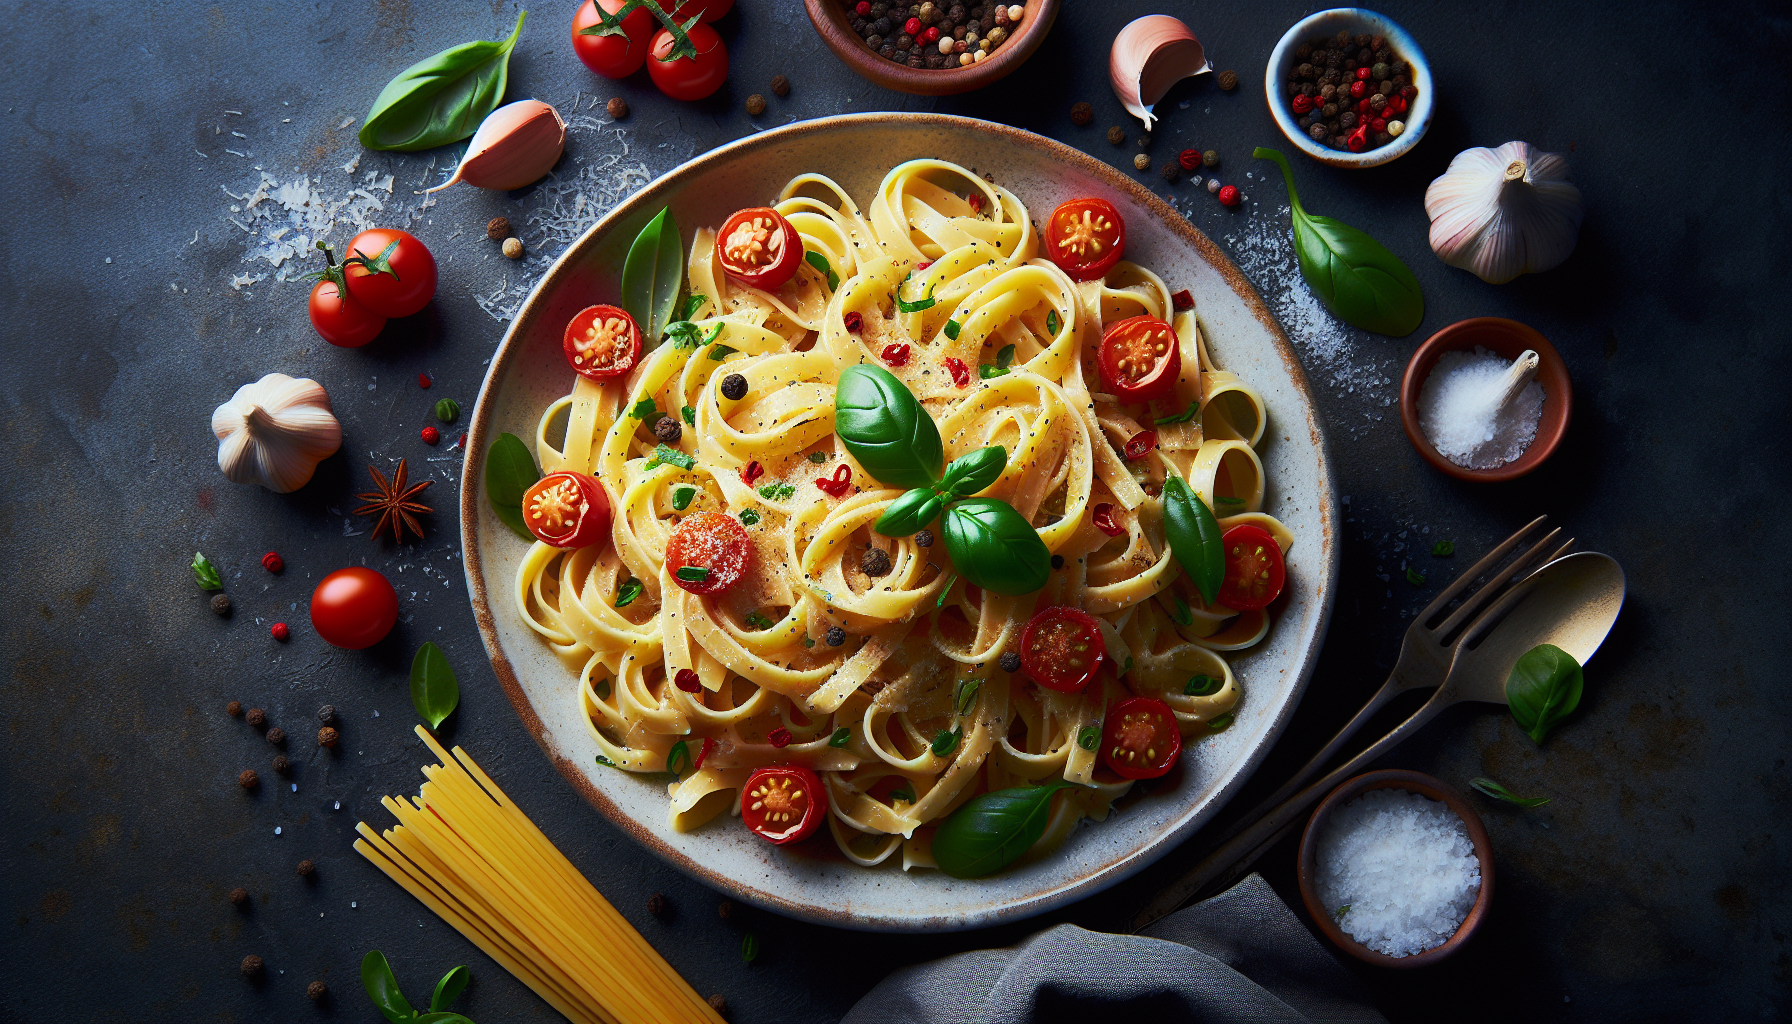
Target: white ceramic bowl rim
point(1281, 62)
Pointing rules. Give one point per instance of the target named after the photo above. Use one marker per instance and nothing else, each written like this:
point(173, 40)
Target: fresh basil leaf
point(1051, 322)
point(205, 574)
point(1193, 410)
point(1194, 537)
point(884, 427)
point(994, 547)
point(916, 306)
point(382, 988)
point(690, 416)
point(946, 741)
point(842, 736)
point(1499, 792)
point(1543, 689)
point(685, 334)
point(1089, 737)
point(1202, 686)
point(441, 98)
point(820, 263)
point(749, 516)
point(690, 306)
point(694, 573)
point(974, 471)
point(510, 471)
point(758, 621)
point(909, 513)
point(1354, 275)
point(988, 372)
point(631, 589)
point(652, 274)
point(1415, 577)
point(444, 1017)
point(452, 985)
point(1005, 357)
point(721, 352)
point(644, 408)
point(666, 455)
point(991, 830)
point(1443, 549)
point(1179, 610)
point(749, 947)
point(678, 758)
point(434, 691)
point(906, 793)
point(967, 696)
point(952, 329)
point(682, 497)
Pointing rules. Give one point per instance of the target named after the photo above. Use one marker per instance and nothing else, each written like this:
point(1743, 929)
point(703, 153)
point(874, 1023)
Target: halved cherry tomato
point(602, 343)
point(1085, 237)
point(613, 56)
point(758, 247)
point(708, 553)
point(1062, 648)
point(567, 510)
point(1254, 569)
point(354, 608)
point(783, 803)
point(1140, 739)
point(688, 77)
point(1140, 359)
point(340, 320)
point(389, 279)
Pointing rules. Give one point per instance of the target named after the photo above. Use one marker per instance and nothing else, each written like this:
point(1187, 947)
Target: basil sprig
point(652, 273)
point(1543, 689)
point(1354, 275)
point(990, 831)
point(1194, 537)
point(884, 427)
point(685, 334)
point(435, 693)
point(1499, 792)
point(382, 987)
point(510, 471)
point(204, 573)
point(441, 99)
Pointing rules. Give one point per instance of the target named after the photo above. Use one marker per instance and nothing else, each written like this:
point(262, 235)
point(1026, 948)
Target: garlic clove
point(275, 431)
point(1150, 55)
point(515, 145)
point(1502, 212)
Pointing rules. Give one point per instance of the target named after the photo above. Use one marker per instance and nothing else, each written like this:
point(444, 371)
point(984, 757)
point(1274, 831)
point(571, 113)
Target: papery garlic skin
point(1150, 55)
point(275, 431)
point(1499, 213)
point(515, 145)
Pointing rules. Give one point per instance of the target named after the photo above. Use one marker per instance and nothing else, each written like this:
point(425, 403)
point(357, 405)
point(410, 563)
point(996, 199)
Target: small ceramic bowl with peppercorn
point(933, 48)
point(1350, 87)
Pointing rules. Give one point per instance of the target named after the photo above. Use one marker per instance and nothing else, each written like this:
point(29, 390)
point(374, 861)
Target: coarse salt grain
point(1397, 871)
point(1460, 414)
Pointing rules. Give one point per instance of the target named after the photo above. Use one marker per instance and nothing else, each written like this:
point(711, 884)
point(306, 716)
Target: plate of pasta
point(899, 521)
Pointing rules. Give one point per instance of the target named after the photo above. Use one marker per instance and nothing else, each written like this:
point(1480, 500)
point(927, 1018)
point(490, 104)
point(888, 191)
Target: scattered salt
point(1459, 410)
point(276, 830)
point(1397, 870)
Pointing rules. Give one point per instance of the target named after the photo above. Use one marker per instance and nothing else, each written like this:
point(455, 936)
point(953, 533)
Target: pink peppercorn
point(1362, 74)
point(1303, 104)
point(280, 632)
point(912, 27)
point(932, 35)
point(1358, 87)
point(272, 562)
point(1378, 125)
point(1229, 196)
point(423, 381)
point(431, 435)
point(864, 8)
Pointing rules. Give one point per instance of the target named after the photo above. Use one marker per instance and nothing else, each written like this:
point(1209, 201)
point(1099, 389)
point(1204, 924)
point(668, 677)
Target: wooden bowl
point(830, 20)
point(1509, 339)
point(1412, 782)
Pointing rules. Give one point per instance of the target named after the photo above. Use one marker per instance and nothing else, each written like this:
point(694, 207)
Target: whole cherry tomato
point(1140, 739)
point(783, 803)
point(602, 343)
point(1085, 237)
point(1062, 648)
point(389, 272)
point(1140, 359)
point(567, 510)
point(620, 53)
point(1254, 569)
point(689, 76)
point(708, 553)
point(339, 319)
point(354, 608)
point(708, 10)
point(758, 247)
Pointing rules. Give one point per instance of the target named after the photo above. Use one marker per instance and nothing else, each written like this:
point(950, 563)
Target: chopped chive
point(1193, 410)
point(946, 741)
point(631, 589)
point(678, 758)
point(1183, 615)
point(1089, 737)
point(906, 793)
point(842, 736)
point(689, 414)
point(721, 352)
point(1443, 549)
point(1201, 686)
point(606, 762)
point(1499, 792)
point(1051, 322)
point(1219, 723)
point(1415, 577)
point(988, 372)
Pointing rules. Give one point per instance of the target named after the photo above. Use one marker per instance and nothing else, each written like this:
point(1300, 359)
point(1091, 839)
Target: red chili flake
point(854, 323)
point(431, 435)
point(779, 737)
point(961, 374)
point(280, 632)
point(1104, 520)
point(1229, 196)
point(687, 681)
point(924, 265)
point(1190, 159)
point(1357, 140)
point(1141, 444)
point(976, 202)
point(753, 472)
point(709, 744)
point(895, 353)
point(1183, 300)
point(423, 381)
point(272, 562)
point(462, 443)
point(1303, 104)
point(837, 485)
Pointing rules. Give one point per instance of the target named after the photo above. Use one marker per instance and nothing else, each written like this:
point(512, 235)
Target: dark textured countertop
point(1653, 886)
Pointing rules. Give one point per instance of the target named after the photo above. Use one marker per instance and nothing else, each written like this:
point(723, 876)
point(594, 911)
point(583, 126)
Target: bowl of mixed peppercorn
point(1350, 88)
point(934, 48)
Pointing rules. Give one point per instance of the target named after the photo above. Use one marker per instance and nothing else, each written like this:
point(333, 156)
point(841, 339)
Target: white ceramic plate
point(529, 372)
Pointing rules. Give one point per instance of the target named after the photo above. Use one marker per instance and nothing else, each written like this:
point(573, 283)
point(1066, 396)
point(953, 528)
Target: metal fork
point(1430, 644)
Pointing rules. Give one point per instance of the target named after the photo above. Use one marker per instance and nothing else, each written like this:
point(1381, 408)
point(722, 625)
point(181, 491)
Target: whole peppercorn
point(251, 966)
point(734, 387)
point(755, 105)
point(272, 562)
point(326, 714)
point(617, 108)
point(1211, 158)
point(1304, 71)
point(276, 736)
point(1330, 110)
point(282, 765)
point(220, 605)
point(780, 85)
point(1396, 128)
point(431, 435)
point(726, 910)
point(234, 709)
point(1171, 171)
point(1190, 159)
point(1379, 72)
point(667, 430)
point(1317, 131)
point(836, 636)
point(513, 247)
point(1347, 119)
point(1362, 39)
point(316, 990)
point(1303, 51)
point(497, 229)
point(1010, 661)
point(1385, 89)
point(875, 563)
point(1142, 162)
point(239, 896)
point(656, 905)
point(924, 538)
point(1228, 80)
point(1057, 561)
point(306, 868)
point(1229, 196)
point(326, 737)
point(1378, 101)
point(248, 779)
point(256, 717)
point(1117, 135)
point(1081, 114)
point(719, 1003)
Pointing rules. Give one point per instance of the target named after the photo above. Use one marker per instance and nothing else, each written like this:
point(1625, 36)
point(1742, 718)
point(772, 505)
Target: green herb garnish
point(1216, 724)
point(916, 306)
point(822, 264)
point(631, 589)
point(946, 741)
point(842, 736)
point(666, 455)
point(678, 758)
point(382, 987)
point(991, 830)
point(749, 947)
point(1089, 737)
point(1193, 410)
point(905, 793)
point(607, 763)
point(1194, 537)
point(682, 497)
point(205, 574)
point(1183, 615)
point(1222, 499)
point(1005, 357)
point(1544, 688)
point(1499, 792)
point(685, 334)
point(690, 415)
point(988, 372)
point(1443, 549)
point(818, 457)
point(952, 329)
point(652, 274)
point(1415, 577)
point(509, 472)
point(776, 491)
point(1202, 686)
point(441, 98)
point(435, 693)
point(758, 621)
point(749, 516)
point(967, 695)
point(1051, 322)
point(721, 352)
point(690, 306)
point(644, 408)
point(692, 574)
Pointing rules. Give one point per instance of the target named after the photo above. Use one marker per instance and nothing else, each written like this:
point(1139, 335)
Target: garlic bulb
point(275, 431)
point(1499, 213)
point(1150, 55)
point(515, 145)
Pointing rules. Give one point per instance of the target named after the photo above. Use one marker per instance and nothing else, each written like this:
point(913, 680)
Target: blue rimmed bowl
point(1356, 21)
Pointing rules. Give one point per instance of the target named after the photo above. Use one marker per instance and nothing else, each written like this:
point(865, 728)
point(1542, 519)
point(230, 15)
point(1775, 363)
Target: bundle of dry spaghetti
point(476, 860)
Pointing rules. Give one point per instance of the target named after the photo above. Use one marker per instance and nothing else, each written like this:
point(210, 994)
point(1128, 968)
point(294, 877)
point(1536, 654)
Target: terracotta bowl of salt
point(1318, 893)
point(1507, 339)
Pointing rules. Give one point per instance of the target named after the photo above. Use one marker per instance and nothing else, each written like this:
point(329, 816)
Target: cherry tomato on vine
point(1062, 648)
point(602, 343)
point(1140, 359)
point(1140, 739)
point(389, 272)
point(708, 10)
point(1254, 569)
point(758, 247)
point(616, 55)
point(567, 510)
point(1085, 237)
point(689, 76)
point(708, 553)
point(783, 803)
point(354, 608)
point(339, 319)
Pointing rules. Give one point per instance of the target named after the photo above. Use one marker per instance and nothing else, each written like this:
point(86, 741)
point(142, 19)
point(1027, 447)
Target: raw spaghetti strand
point(471, 855)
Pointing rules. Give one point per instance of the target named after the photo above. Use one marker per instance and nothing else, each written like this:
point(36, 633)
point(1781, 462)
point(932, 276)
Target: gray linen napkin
point(1240, 956)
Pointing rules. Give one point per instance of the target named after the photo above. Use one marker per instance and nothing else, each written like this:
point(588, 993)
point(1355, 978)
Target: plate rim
point(1098, 878)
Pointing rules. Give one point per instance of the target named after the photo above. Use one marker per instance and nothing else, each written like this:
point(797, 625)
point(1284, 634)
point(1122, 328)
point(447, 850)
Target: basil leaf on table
point(884, 427)
point(1354, 275)
point(509, 471)
point(974, 471)
point(434, 690)
point(452, 984)
point(1499, 792)
point(204, 573)
point(1194, 537)
point(909, 513)
point(441, 99)
point(382, 988)
point(1543, 689)
point(994, 547)
point(652, 274)
point(990, 831)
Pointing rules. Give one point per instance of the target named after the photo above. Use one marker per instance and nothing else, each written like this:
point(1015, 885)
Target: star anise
point(393, 504)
